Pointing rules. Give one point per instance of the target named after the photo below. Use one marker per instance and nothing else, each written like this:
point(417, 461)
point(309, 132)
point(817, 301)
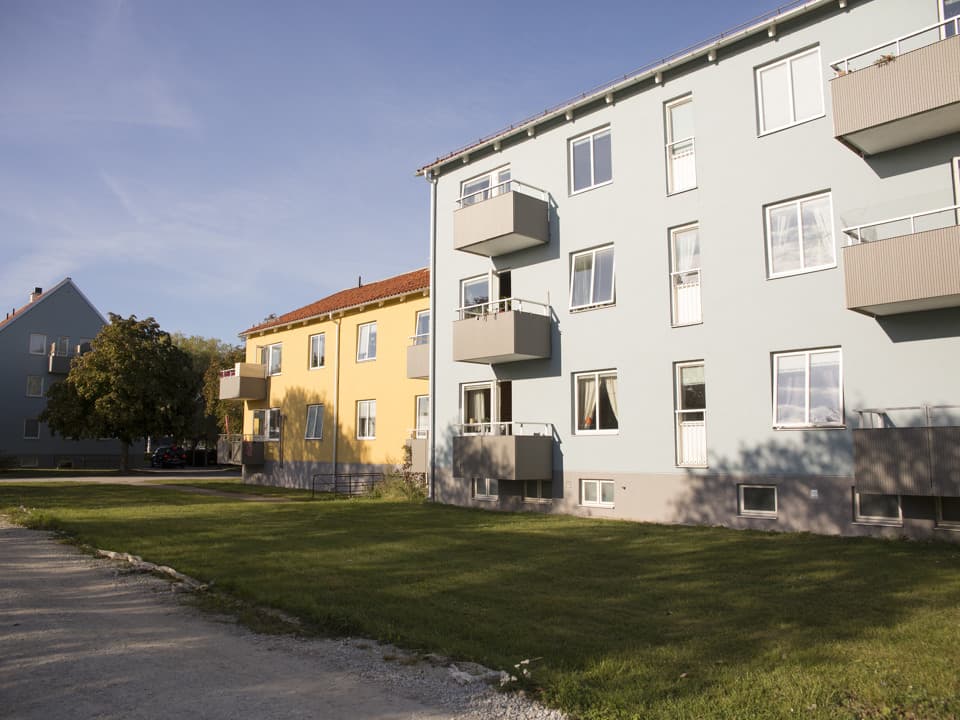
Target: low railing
point(505, 428)
point(681, 155)
point(423, 339)
point(903, 225)
point(492, 307)
point(887, 418)
point(418, 433)
point(501, 189)
point(691, 437)
point(898, 45)
point(344, 483)
point(687, 308)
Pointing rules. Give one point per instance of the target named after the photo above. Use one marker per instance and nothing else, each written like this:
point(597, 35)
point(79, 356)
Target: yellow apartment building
point(337, 387)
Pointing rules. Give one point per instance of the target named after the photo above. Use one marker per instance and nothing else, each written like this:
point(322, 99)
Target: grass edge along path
point(630, 619)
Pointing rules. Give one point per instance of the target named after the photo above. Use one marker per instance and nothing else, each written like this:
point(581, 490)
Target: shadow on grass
point(627, 617)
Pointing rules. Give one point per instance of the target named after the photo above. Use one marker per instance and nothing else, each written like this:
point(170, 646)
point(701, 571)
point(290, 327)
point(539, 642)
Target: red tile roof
point(353, 297)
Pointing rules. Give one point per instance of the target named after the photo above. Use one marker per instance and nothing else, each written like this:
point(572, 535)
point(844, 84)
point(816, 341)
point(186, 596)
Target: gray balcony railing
point(506, 330)
point(496, 221)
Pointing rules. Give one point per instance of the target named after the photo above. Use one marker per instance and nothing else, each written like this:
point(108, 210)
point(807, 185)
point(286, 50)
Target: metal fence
point(344, 483)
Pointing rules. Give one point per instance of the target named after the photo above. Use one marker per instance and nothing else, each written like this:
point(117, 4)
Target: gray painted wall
point(746, 316)
point(62, 311)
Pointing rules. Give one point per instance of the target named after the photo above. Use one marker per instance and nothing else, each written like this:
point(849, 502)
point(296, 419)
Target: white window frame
point(479, 427)
point(677, 275)
point(29, 461)
point(597, 375)
point(763, 130)
point(35, 349)
point(367, 409)
point(592, 138)
point(807, 354)
point(944, 30)
point(266, 357)
point(859, 517)
point(593, 278)
point(742, 509)
point(421, 432)
point(498, 183)
point(363, 341)
point(485, 488)
point(317, 411)
point(62, 348)
point(539, 497)
point(39, 379)
point(945, 524)
point(668, 109)
point(269, 414)
point(679, 413)
point(321, 339)
point(475, 308)
point(599, 487)
point(27, 436)
point(421, 338)
point(769, 235)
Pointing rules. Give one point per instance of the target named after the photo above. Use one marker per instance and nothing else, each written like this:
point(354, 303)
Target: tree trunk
point(124, 457)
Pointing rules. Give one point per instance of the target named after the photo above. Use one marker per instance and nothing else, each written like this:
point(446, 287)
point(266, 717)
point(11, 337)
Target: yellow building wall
point(383, 379)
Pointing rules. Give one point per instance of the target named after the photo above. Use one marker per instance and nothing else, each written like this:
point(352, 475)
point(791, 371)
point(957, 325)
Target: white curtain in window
point(610, 387)
point(825, 400)
point(818, 245)
point(686, 250)
point(587, 403)
point(582, 276)
point(784, 239)
point(791, 389)
point(603, 276)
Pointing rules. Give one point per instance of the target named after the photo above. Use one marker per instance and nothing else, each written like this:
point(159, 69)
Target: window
point(34, 386)
point(317, 343)
point(476, 408)
point(485, 186)
point(800, 236)
point(681, 158)
point(691, 411)
point(31, 461)
point(38, 344)
point(790, 91)
point(422, 416)
point(948, 512)
point(314, 429)
point(538, 490)
point(758, 500)
point(63, 346)
point(366, 342)
point(366, 419)
point(31, 429)
point(685, 276)
point(592, 280)
point(266, 424)
point(878, 509)
point(422, 332)
point(808, 388)
point(949, 9)
point(270, 355)
point(486, 488)
point(474, 296)
point(596, 398)
point(596, 492)
point(590, 161)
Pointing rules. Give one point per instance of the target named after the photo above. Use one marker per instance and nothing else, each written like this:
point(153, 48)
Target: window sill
point(947, 526)
point(689, 324)
point(547, 501)
point(810, 427)
point(878, 522)
point(774, 131)
point(581, 191)
point(598, 506)
point(364, 360)
point(587, 308)
point(692, 466)
point(804, 271)
point(367, 438)
point(757, 515)
point(313, 438)
point(589, 433)
point(680, 192)
point(486, 498)
point(318, 367)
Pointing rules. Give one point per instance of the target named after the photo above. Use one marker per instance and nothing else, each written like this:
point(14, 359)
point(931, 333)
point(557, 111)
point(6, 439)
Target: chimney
point(37, 292)
point(359, 281)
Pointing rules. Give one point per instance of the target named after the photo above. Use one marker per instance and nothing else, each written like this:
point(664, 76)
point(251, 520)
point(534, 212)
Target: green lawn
point(630, 620)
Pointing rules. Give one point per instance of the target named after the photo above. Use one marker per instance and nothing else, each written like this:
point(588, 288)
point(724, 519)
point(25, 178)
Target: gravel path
point(88, 638)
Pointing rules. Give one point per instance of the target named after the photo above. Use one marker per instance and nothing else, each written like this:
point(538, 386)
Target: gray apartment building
point(723, 290)
point(37, 343)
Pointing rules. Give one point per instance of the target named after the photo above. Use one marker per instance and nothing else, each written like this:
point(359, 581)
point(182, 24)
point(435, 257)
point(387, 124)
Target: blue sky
point(209, 163)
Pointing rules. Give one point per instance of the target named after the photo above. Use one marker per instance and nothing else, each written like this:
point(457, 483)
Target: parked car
point(168, 456)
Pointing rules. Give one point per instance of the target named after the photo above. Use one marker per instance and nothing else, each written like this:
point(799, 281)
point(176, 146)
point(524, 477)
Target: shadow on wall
point(925, 325)
point(811, 469)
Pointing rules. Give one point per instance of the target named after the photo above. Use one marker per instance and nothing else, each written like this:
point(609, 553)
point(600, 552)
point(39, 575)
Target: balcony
point(504, 451)
point(244, 381)
point(904, 264)
point(899, 93)
point(501, 331)
point(501, 220)
point(59, 364)
point(417, 445)
point(908, 451)
point(418, 357)
point(240, 450)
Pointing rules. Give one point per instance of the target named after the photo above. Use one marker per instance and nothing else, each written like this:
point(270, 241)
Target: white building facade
point(725, 290)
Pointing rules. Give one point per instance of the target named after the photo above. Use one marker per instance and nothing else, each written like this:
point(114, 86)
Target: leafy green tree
point(134, 383)
point(212, 416)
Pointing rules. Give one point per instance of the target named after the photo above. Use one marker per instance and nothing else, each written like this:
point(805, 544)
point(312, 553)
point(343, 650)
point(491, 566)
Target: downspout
point(432, 403)
point(336, 396)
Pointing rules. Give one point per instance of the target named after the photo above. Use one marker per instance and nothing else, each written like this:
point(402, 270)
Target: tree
point(133, 383)
point(213, 415)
